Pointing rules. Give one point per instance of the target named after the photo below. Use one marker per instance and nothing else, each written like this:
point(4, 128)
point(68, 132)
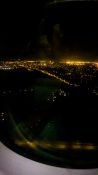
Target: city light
point(62, 70)
point(29, 64)
point(96, 64)
point(77, 63)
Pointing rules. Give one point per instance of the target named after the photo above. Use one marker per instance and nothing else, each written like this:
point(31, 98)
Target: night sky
point(55, 30)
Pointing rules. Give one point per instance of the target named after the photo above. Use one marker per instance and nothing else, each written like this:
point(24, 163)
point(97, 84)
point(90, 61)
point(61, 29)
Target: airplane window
point(49, 99)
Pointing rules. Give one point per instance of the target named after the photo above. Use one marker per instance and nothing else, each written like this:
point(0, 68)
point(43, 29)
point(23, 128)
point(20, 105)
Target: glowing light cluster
point(96, 64)
point(77, 62)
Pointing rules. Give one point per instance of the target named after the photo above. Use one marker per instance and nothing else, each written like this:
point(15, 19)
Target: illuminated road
point(58, 78)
